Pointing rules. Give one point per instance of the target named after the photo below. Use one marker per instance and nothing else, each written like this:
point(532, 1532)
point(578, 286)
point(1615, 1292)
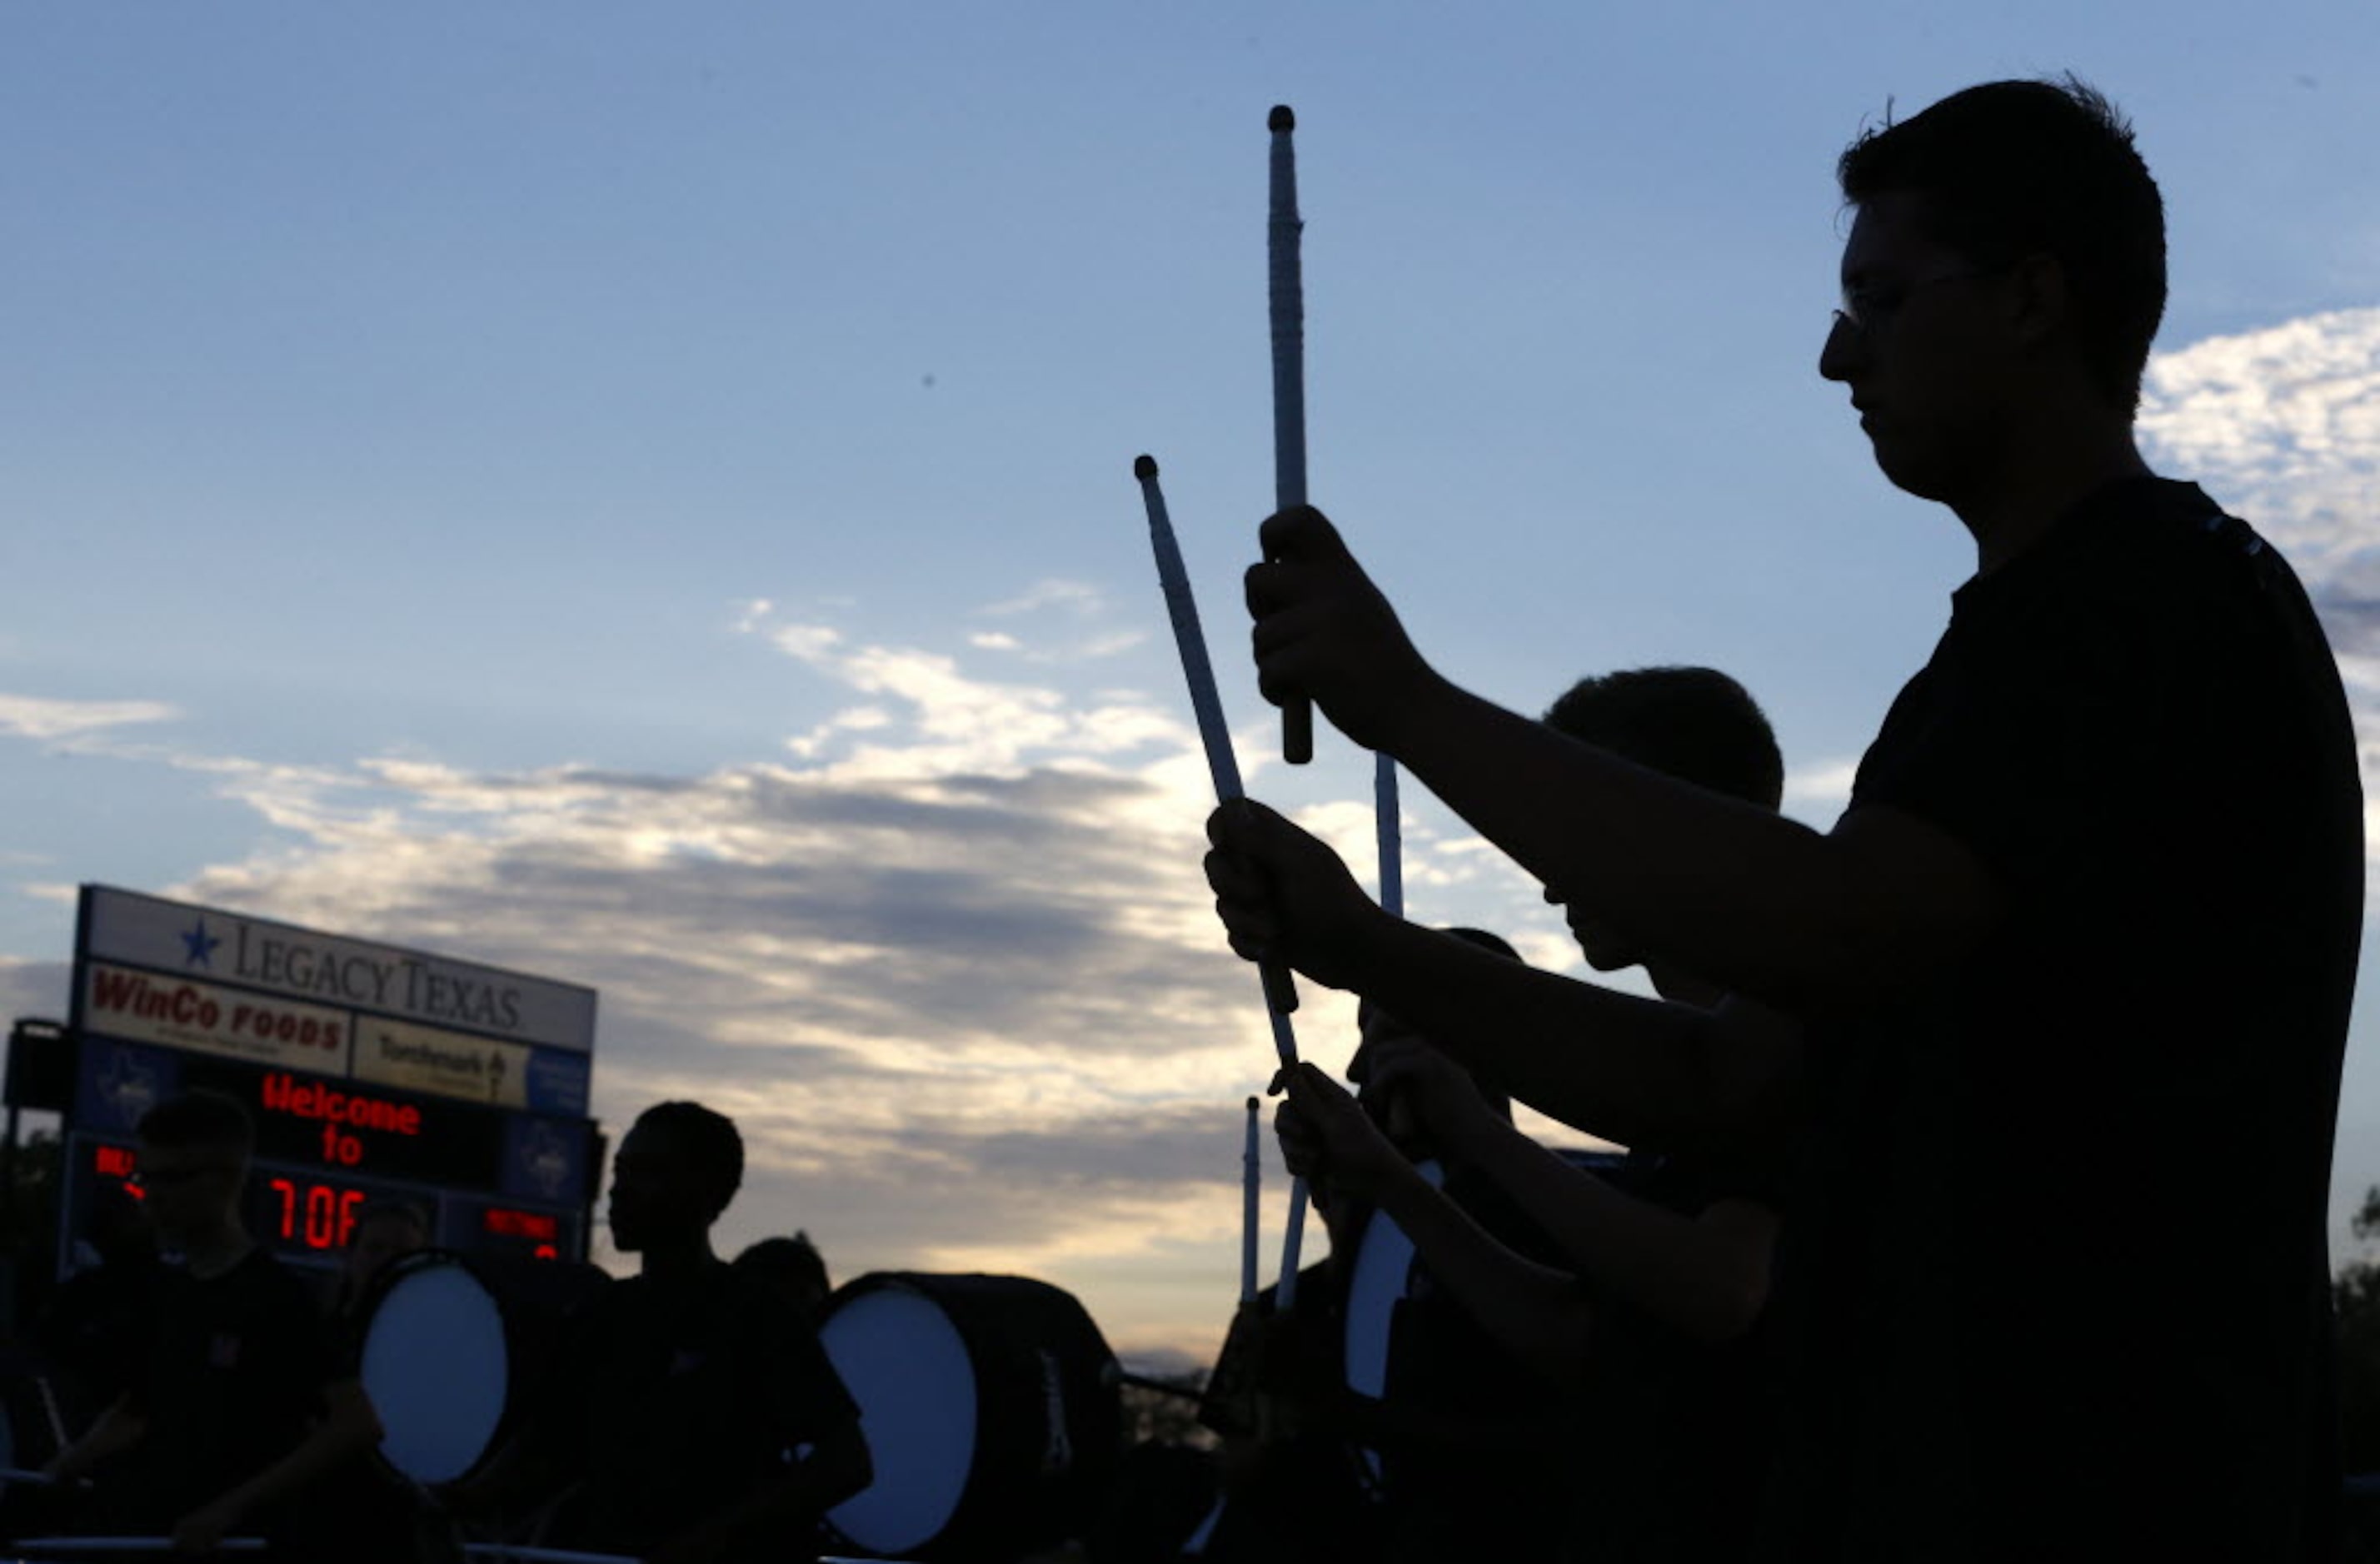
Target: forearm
point(348, 1429)
point(1639, 1072)
point(1706, 1281)
point(1538, 1314)
point(117, 1429)
point(1737, 895)
point(838, 1468)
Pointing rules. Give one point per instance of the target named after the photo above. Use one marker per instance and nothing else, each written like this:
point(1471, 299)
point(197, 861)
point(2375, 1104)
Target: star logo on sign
point(201, 945)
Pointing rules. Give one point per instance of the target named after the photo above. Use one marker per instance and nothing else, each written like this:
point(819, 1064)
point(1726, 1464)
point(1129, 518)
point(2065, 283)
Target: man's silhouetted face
point(189, 1191)
point(658, 1193)
point(1926, 346)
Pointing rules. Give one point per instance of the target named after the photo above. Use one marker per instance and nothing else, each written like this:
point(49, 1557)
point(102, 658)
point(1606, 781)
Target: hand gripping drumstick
point(1281, 994)
point(1288, 296)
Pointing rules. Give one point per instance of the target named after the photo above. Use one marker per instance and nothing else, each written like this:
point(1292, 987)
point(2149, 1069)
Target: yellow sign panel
point(145, 1007)
point(423, 1059)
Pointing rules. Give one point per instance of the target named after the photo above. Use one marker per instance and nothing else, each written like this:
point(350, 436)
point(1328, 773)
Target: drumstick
point(1249, 1164)
point(1281, 994)
point(1285, 1296)
point(1387, 830)
point(132, 1545)
point(1287, 294)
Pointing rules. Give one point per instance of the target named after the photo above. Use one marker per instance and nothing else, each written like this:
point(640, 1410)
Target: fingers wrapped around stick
point(1322, 629)
point(1283, 896)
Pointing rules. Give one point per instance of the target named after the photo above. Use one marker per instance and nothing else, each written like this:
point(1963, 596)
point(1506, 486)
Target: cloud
point(33, 988)
point(34, 717)
point(2282, 426)
point(950, 960)
point(1821, 790)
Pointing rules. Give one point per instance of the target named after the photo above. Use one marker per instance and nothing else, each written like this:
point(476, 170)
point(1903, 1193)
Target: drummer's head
point(1377, 1025)
point(385, 1231)
point(673, 1174)
point(193, 1163)
point(1696, 724)
point(792, 1268)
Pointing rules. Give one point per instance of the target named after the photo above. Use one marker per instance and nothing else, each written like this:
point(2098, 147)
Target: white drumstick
point(1292, 1242)
point(1281, 994)
point(1249, 1166)
point(67, 1546)
point(1287, 295)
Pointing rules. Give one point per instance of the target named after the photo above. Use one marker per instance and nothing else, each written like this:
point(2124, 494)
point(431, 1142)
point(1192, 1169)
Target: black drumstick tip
point(1252, 1105)
point(1281, 118)
point(1144, 467)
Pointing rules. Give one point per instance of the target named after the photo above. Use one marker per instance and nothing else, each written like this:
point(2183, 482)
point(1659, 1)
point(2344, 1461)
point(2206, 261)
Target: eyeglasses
point(1866, 309)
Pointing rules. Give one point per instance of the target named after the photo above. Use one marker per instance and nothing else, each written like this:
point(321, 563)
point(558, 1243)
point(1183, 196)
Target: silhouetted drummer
point(1644, 1301)
point(236, 1419)
point(697, 1417)
point(793, 1270)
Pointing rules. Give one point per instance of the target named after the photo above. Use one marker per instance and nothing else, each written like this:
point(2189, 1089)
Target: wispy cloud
point(2282, 426)
point(36, 717)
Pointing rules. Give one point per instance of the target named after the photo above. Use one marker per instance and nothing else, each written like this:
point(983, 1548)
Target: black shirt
point(2056, 1276)
point(680, 1401)
point(1672, 1462)
point(233, 1378)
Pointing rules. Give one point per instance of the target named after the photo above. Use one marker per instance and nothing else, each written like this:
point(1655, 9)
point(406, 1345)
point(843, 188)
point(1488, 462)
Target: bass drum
point(990, 1410)
point(454, 1349)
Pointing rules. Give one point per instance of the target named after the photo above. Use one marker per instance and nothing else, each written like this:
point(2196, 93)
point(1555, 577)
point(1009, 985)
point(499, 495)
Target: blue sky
point(643, 496)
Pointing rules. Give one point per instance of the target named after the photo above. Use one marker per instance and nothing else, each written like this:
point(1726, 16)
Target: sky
point(642, 495)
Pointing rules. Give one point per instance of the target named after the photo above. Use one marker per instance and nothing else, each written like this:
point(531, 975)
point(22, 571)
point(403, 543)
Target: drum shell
point(529, 1300)
point(1048, 1425)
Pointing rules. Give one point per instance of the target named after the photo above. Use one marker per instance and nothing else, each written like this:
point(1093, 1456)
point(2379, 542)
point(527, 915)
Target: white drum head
point(1384, 1262)
point(436, 1367)
point(907, 1366)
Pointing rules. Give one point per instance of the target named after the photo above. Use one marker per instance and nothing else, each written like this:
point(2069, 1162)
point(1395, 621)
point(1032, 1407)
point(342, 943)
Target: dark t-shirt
point(1677, 1438)
point(2056, 1278)
point(679, 1403)
point(233, 1378)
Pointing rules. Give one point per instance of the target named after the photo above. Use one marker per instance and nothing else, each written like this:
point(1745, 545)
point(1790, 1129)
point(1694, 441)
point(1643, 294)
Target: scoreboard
point(372, 1073)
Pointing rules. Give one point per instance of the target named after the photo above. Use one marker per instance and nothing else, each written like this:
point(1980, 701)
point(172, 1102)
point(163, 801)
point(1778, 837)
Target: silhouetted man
point(1635, 1296)
point(698, 1417)
point(235, 1417)
point(2094, 909)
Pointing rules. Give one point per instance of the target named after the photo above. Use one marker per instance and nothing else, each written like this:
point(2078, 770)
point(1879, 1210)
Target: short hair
point(710, 1141)
point(2013, 168)
point(199, 1121)
point(794, 1259)
point(1693, 723)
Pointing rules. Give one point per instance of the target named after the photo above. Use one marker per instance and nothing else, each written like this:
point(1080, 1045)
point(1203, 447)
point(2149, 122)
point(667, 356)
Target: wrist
point(1414, 707)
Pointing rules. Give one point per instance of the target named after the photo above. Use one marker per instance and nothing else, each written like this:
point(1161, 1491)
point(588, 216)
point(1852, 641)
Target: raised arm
point(1805, 922)
point(1640, 1071)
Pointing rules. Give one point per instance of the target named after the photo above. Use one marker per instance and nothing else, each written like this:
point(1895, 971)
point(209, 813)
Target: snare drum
point(990, 1415)
point(454, 1350)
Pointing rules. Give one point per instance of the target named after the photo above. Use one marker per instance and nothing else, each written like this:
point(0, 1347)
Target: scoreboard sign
point(371, 1072)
